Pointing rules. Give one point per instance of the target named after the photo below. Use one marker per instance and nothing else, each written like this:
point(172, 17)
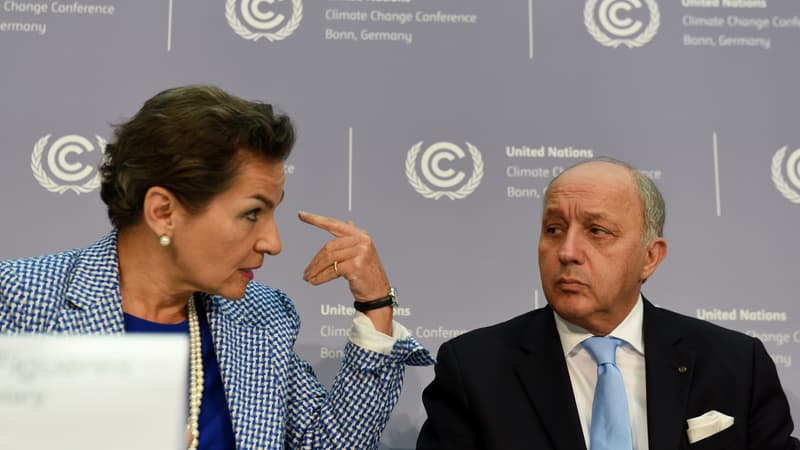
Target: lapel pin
point(682, 369)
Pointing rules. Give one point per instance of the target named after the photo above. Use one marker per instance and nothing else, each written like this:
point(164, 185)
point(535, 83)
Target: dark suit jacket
point(507, 387)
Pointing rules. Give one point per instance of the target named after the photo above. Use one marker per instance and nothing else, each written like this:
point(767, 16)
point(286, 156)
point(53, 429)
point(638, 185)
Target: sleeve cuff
point(364, 335)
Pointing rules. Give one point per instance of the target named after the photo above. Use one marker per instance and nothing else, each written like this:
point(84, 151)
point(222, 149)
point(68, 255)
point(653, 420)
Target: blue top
point(216, 429)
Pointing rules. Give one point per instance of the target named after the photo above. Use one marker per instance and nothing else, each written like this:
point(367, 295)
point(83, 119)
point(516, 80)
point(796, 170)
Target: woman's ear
point(159, 211)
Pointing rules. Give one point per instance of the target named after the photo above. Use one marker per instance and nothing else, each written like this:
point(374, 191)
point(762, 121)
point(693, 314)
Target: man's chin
point(572, 307)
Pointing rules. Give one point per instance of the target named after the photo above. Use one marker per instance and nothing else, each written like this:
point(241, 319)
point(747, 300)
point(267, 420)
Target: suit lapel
point(542, 371)
point(669, 369)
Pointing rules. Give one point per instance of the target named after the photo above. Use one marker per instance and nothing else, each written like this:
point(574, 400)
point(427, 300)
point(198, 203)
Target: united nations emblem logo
point(256, 19)
point(621, 22)
point(790, 189)
point(439, 177)
point(58, 161)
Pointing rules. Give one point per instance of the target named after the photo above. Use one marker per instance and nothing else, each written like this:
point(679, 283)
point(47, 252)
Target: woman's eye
point(252, 215)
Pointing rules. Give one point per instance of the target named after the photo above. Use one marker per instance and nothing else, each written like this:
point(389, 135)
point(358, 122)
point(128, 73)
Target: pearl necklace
point(195, 375)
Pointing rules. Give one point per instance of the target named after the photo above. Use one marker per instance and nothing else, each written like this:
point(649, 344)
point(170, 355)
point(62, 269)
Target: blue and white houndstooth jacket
point(274, 398)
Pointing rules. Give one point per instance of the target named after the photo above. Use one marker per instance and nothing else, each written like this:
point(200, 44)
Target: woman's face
point(217, 249)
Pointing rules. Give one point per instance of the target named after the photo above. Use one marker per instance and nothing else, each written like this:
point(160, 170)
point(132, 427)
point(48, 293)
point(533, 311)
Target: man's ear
point(656, 252)
point(160, 209)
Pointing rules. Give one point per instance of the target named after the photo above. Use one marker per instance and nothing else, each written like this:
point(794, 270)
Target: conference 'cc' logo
point(260, 21)
point(790, 190)
point(621, 22)
point(58, 160)
point(440, 178)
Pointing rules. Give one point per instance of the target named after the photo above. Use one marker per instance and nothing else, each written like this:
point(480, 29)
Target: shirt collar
point(629, 330)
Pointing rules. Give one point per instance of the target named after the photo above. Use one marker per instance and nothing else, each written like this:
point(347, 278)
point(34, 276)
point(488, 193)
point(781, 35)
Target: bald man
point(529, 383)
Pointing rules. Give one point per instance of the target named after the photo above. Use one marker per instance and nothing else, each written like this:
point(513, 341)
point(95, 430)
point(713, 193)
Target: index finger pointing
point(329, 224)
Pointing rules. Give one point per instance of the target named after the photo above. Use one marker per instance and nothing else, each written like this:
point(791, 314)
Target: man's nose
point(571, 250)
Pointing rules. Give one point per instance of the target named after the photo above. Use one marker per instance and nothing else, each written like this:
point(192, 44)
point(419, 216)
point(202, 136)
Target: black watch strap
point(389, 300)
point(374, 304)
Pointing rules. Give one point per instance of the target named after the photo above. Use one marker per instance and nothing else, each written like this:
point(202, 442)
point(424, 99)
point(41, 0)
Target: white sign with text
point(93, 392)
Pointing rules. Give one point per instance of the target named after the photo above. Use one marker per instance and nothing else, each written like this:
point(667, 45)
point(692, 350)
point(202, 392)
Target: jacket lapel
point(669, 369)
point(92, 300)
point(542, 371)
point(246, 360)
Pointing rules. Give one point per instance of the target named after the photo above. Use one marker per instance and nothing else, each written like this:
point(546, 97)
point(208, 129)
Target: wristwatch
point(389, 300)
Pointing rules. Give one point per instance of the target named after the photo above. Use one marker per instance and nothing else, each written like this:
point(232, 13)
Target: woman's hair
point(187, 140)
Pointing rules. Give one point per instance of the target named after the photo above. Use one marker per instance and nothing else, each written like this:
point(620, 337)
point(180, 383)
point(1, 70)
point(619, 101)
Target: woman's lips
point(247, 273)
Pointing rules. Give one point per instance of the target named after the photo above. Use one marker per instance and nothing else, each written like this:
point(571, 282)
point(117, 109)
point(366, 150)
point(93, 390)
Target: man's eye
point(597, 231)
point(552, 230)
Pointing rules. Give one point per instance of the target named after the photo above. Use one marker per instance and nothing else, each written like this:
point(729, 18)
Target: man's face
point(592, 257)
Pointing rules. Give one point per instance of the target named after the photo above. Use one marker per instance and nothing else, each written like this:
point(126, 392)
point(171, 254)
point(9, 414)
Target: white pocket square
point(707, 425)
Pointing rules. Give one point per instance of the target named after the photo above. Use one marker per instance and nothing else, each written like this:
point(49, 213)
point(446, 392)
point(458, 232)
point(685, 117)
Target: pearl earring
point(164, 240)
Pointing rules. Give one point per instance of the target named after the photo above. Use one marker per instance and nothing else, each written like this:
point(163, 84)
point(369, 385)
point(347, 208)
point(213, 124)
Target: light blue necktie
point(611, 426)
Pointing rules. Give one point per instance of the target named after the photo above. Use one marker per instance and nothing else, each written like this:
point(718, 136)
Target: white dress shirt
point(630, 360)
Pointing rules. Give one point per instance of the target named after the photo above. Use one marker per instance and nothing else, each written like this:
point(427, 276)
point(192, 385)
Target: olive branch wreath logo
point(41, 176)
point(462, 192)
point(601, 37)
point(243, 31)
point(777, 177)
